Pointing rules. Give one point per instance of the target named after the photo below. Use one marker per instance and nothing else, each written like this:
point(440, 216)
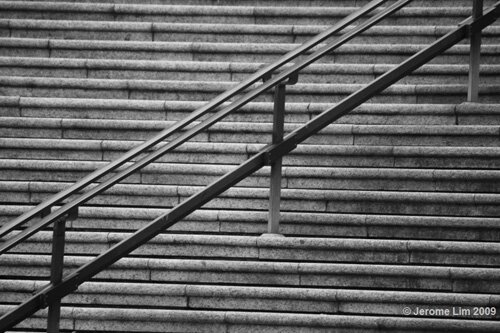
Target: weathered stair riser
point(394, 206)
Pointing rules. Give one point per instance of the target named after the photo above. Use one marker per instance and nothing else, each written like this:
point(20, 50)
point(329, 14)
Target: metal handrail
point(209, 107)
point(262, 74)
point(54, 292)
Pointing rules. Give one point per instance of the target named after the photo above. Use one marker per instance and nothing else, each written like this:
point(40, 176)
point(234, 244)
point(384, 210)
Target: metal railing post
point(276, 167)
point(475, 54)
point(275, 186)
point(56, 268)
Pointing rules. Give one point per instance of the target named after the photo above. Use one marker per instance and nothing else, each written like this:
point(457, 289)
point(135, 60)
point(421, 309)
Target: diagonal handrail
point(209, 107)
point(65, 209)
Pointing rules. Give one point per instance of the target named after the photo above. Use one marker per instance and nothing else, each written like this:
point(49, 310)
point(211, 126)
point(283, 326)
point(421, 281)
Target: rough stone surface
point(394, 205)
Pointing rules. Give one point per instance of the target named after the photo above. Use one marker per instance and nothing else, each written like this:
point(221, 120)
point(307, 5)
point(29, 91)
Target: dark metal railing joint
point(292, 79)
point(46, 212)
point(42, 300)
point(266, 77)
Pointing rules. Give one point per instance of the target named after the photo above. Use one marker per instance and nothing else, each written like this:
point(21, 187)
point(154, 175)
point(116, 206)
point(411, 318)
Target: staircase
point(391, 216)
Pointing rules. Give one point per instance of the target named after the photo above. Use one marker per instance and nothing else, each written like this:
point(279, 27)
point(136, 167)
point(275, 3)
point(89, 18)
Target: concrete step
point(390, 179)
point(401, 212)
point(234, 132)
point(369, 113)
point(247, 52)
point(211, 297)
point(244, 222)
point(281, 3)
point(220, 14)
point(206, 90)
point(279, 249)
point(295, 200)
point(74, 318)
point(217, 32)
point(236, 153)
point(227, 71)
point(268, 273)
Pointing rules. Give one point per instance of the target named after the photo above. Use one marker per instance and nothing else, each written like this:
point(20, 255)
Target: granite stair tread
point(233, 321)
point(204, 51)
point(240, 222)
point(370, 113)
point(393, 208)
point(282, 249)
point(229, 14)
point(214, 32)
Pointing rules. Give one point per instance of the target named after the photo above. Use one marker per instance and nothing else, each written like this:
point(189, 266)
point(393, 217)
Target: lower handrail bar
point(266, 156)
point(210, 106)
point(28, 232)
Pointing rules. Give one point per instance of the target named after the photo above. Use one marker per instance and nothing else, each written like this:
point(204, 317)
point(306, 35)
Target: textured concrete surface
point(394, 206)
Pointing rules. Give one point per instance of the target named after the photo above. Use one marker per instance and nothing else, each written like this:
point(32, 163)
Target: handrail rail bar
point(266, 156)
point(28, 232)
point(210, 106)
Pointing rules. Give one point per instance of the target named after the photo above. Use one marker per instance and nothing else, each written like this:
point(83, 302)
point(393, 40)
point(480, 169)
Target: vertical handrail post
point(56, 268)
point(276, 166)
point(275, 186)
point(475, 54)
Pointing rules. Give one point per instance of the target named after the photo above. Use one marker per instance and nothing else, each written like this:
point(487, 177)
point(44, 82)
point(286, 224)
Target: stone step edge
point(200, 47)
point(280, 243)
point(250, 128)
point(249, 148)
point(221, 10)
point(81, 316)
point(166, 105)
point(180, 192)
point(214, 2)
point(221, 86)
point(295, 30)
point(229, 67)
point(92, 212)
point(313, 294)
point(364, 269)
point(287, 171)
